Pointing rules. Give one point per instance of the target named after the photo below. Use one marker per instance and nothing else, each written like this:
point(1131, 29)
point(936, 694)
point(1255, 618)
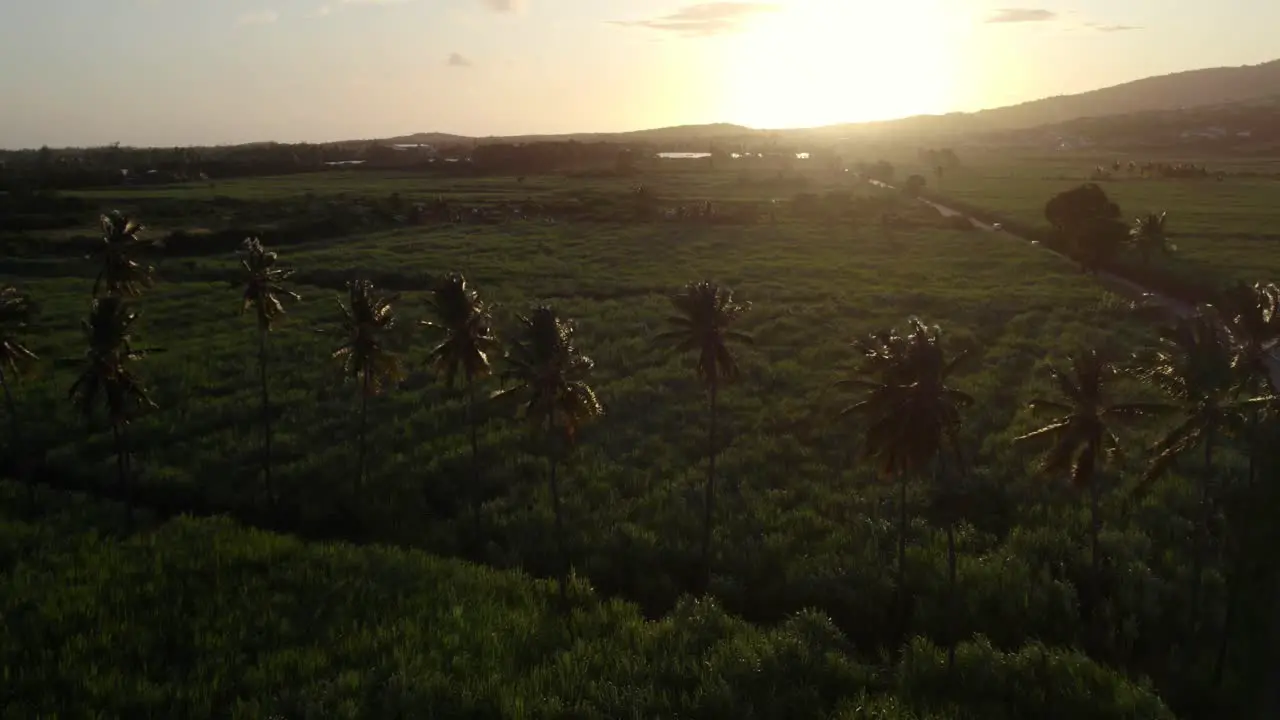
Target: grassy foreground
point(203, 619)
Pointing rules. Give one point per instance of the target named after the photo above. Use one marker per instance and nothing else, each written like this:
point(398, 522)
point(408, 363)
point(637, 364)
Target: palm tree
point(464, 323)
point(706, 313)
point(550, 382)
point(1251, 314)
point(912, 419)
point(15, 316)
point(1148, 236)
point(121, 274)
point(263, 293)
point(366, 319)
point(1195, 370)
point(1081, 433)
point(106, 374)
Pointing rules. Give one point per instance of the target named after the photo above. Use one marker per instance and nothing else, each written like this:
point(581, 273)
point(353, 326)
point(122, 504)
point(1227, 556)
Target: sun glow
point(819, 62)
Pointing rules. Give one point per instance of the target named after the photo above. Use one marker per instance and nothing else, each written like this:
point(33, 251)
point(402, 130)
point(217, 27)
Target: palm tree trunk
point(16, 439)
point(1095, 528)
point(475, 450)
point(266, 421)
point(900, 581)
point(1228, 621)
point(708, 494)
point(562, 574)
point(364, 426)
point(1202, 531)
point(951, 594)
point(122, 470)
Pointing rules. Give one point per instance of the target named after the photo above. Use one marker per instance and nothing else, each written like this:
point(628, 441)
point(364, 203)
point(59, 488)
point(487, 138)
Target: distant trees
point(549, 376)
point(263, 292)
point(881, 170)
point(1090, 221)
point(914, 185)
point(703, 324)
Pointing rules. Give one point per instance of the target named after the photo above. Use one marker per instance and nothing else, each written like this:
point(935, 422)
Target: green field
point(804, 523)
point(1224, 230)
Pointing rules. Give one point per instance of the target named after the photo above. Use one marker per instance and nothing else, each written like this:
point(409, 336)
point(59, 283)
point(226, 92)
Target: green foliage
point(202, 618)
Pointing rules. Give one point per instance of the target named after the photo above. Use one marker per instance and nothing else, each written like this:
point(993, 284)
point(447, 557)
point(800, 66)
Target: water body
point(700, 155)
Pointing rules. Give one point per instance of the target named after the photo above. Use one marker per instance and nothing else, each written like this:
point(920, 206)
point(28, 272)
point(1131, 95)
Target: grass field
point(1226, 229)
point(803, 522)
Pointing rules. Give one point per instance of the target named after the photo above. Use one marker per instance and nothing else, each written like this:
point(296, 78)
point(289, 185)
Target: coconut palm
point(1081, 435)
point(549, 380)
point(15, 317)
point(121, 273)
point(263, 293)
point(106, 374)
point(366, 320)
point(1148, 236)
point(705, 315)
point(1194, 369)
point(912, 420)
point(464, 324)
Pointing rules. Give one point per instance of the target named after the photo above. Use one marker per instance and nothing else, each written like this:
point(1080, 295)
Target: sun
point(819, 62)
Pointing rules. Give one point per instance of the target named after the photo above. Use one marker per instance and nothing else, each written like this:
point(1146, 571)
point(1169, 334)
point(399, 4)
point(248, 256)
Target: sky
point(184, 72)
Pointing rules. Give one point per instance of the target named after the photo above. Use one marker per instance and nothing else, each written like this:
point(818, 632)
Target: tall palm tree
point(15, 316)
point(1148, 236)
point(366, 319)
point(1082, 434)
point(263, 294)
point(549, 376)
point(912, 420)
point(706, 313)
point(121, 273)
point(1251, 314)
point(1194, 369)
point(465, 325)
point(106, 374)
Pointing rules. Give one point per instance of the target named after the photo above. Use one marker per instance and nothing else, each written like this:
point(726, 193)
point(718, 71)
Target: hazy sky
point(167, 72)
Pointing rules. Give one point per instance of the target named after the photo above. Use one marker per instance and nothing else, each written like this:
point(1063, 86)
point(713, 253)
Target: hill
point(1190, 89)
point(673, 133)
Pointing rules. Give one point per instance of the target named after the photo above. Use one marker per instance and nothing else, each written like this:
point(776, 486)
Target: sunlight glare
point(819, 62)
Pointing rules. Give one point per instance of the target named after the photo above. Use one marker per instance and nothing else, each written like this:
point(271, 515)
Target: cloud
point(323, 10)
point(457, 60)
point(258, 17)
point(704, 20)
point(505, 6)
point(1022, 15)
point(1114, 28)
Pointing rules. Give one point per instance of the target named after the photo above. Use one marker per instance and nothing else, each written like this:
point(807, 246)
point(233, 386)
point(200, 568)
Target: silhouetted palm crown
point(464, 323)
point(707, 313)
point(366, 320)
point(1252, 315)
point(1081, 433)
point(549, 373)
point(121, 273)
point(1195, 369)
point(912, 414)
point(262, 283)
point(1148, 233)
point(15, 315)
point(106, 373)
